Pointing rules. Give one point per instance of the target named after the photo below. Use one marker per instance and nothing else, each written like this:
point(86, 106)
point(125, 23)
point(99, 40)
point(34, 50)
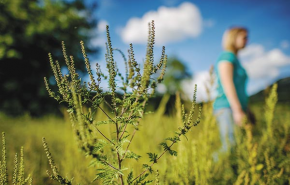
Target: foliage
point(18, 171)
point(28, 31)
point(55, 174)
point(187, 168)
point(137, 87)
point(261, 155)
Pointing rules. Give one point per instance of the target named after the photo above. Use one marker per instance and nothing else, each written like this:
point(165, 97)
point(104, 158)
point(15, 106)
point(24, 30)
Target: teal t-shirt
point(240, 79)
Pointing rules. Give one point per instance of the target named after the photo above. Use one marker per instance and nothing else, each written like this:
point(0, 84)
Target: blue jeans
point(225, 121)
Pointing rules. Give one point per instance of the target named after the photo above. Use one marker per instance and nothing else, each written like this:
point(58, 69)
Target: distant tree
point(176, 72)
point(29, 30)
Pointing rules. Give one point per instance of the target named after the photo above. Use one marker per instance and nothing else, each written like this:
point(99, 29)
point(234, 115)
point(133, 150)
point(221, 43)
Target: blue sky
point(192, 32)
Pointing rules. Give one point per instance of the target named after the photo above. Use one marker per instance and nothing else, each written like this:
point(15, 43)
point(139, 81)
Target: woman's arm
point(226, 76)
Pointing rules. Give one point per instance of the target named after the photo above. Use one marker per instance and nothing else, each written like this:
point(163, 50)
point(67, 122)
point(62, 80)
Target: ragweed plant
point(269, 109)
point(18, 177)
point(263, 159)
point(55, 174)
point(126, 109)
point(202, 146)
point(196, 165)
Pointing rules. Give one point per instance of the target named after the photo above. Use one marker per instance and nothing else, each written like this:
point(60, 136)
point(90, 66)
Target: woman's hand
point(239, 116)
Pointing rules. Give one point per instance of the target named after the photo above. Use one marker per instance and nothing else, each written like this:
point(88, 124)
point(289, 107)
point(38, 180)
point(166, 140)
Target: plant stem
point(144, 103)
point(108, 105)
point(106, 114)
point(111, 166)
point(137, 98)
point(104, 135)
point(118, 154)
point(120, 166)
point(129, 144)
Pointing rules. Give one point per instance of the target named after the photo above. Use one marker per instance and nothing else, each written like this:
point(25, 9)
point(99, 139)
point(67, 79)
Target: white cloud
point(202, 80)
point(102, 25)
point(161, 88)
point(284, 44)
point(263, 67)
point(100, 37)
point(172, 24)
point(252, 51)
point(262, 64)
point(99, 41)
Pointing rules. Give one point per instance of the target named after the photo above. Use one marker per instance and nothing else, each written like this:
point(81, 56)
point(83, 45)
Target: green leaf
point(173, 139)
point(102, 123)
point(130, 177)
point(172, 152)
point(146, 166)
point(132, 155)
point(165, 146)
point(153, 157)
point(147, 182)
point(142, 178)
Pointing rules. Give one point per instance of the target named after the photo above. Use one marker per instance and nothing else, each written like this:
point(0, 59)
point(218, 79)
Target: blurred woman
point(231, 104)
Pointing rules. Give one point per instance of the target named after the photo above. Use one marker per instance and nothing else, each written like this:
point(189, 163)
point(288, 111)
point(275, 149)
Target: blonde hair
point(229, 38)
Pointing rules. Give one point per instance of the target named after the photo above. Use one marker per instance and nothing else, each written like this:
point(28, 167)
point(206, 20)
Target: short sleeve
point(227, 56)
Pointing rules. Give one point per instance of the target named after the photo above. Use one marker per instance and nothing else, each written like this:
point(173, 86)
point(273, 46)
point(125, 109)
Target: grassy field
point(262, 154)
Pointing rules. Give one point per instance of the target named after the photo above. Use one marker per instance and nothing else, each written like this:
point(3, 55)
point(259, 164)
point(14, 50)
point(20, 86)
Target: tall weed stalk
point(18, 177)
point(124, 110)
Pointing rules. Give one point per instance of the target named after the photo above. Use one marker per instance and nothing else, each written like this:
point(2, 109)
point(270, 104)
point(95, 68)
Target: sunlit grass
point(259, 158)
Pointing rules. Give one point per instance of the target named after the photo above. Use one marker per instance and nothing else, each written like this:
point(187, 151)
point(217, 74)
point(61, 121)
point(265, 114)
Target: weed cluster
point(126, 110)
point(18, 177)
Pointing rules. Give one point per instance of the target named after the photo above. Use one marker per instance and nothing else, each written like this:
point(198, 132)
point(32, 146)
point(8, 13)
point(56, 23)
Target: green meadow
point(262, 154)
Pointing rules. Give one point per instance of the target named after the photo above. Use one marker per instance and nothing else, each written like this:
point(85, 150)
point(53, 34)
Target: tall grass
point(261, 156)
